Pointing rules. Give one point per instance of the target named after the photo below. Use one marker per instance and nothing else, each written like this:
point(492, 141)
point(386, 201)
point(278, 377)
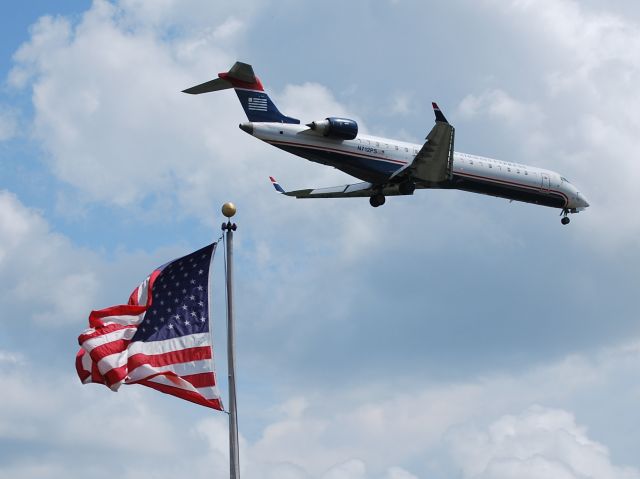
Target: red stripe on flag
point(133, 298)
point(96, 316)
point(83, 374)
point(96, 376)
point(109, 328)
point(201, 380)
point(115, 375)
point(104, 350)
point(173, 357)
point(187, 395)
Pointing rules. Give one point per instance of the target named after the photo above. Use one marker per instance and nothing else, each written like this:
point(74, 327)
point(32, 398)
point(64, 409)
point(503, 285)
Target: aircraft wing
point(434, 162)
point(344, 191)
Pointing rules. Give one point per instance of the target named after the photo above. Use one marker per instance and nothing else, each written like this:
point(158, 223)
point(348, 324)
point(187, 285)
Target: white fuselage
point(375, 159)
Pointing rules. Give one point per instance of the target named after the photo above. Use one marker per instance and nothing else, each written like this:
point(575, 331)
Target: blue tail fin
point(256, 103)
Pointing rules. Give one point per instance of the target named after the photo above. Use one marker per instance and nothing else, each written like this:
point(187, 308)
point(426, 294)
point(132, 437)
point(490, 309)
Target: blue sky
point(442, 335)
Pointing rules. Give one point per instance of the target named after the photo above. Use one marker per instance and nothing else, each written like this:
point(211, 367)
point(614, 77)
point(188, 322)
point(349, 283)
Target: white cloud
point(499, 104)
point(361, 428)
point(42, 274)
point(401, 103)
point(589, 75)
point(352, 469)
point(8, 123)
point(540, 442)
point(366, 431)
point(110, 114)
point(10, 358)
point(108, 106)
point(229, 29)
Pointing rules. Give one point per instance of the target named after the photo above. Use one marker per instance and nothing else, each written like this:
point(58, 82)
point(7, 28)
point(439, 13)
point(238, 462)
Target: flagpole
point(229, 209)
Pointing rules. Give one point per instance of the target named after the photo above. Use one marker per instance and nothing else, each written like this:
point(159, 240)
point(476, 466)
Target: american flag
point(160, 338)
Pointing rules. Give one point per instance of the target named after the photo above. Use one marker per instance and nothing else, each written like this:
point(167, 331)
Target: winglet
point(276, 185)
point(438, 112)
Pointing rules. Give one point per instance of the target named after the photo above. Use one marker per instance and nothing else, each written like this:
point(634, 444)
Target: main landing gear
point(376, 200)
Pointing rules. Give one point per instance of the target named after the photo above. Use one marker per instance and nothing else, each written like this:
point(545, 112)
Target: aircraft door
point(546, 183)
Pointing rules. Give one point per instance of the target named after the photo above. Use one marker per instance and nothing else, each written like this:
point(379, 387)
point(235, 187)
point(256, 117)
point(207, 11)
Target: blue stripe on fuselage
point(367, 169)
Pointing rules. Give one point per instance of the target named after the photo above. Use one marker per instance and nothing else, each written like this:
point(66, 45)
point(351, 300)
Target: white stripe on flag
point(181, 369)
point(167, 345)
point(208, 393)
point(90, 344)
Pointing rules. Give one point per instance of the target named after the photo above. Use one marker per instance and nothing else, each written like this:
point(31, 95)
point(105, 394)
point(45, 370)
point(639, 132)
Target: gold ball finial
point(228, 209)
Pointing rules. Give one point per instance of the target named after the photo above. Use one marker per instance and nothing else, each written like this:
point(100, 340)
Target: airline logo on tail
point(255, 103)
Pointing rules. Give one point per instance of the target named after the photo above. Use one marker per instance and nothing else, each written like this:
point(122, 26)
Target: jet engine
point(332, 127)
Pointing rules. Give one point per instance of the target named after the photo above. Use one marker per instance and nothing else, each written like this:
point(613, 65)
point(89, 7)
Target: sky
point(443, 335)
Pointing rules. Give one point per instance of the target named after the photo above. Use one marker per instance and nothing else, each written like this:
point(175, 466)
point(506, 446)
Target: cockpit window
point(564, 179)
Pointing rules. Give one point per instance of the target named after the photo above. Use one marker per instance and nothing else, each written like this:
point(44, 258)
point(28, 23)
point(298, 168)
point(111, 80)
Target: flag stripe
point(159, 347)
point(201, 380)
point(124, 314)
point(99, 342)
point(180, 369)
point(192, 396)
point(106, 329)
point(172, 357)
point(209, 392)
point(105, 351)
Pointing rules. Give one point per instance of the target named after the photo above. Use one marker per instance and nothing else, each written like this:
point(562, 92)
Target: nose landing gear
point(565, 217)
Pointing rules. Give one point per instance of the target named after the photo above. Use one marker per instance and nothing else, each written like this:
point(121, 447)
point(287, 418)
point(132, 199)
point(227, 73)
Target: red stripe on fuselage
point(513, 183)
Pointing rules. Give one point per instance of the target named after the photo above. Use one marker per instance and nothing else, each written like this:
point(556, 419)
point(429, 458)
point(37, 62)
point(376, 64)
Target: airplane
point(389, 167)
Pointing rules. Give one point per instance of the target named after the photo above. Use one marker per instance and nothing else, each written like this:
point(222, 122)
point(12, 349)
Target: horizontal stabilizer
point(206, 87)
point(242, 72)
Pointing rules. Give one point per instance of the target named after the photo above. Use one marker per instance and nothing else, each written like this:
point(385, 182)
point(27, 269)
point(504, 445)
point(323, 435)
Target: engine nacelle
point(332, 127)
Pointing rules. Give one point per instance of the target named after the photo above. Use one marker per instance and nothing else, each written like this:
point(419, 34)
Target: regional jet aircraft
point(389, 167)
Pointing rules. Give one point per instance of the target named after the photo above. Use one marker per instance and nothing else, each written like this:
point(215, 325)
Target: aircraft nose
point(247, 127)
point(582, 201)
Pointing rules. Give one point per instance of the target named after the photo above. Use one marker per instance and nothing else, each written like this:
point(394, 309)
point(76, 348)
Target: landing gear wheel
point(565, 220)
point(377, 200)
point(407, 187)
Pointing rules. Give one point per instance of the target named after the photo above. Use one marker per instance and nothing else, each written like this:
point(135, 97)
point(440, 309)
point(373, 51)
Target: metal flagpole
point(229, 209)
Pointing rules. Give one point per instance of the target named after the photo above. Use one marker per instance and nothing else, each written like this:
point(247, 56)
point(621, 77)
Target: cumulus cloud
point(111, 116)
point(586, 115)
point(43, 276)
point(501, 105)
point(540, 442)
